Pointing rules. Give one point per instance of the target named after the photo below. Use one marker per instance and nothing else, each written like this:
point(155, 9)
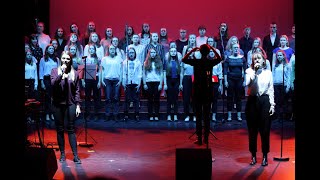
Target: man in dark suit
point(271, 41)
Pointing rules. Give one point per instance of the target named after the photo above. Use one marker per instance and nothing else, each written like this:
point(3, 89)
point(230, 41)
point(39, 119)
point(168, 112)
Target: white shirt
point(260, 83)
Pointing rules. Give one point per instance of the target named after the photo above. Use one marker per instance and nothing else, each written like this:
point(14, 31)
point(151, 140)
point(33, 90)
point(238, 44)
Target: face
point(115, 41)
point(73, 50)
point(74, 28)
point(50, 50)
point(131, 54)
point(29, 55)
point(202, 32)
point(247, 31)
point(155, 37)
point(192, 39)
point(223, 27)
point(211, 53)
point(94, 37)
point(153, 53)
point(235, 48)
point(109, 32)
point(26, 47)
point(135, 38)
point(293, 29)
point(112, 50)
point(65, 59)
point(73, 38)
point(256, 43)
point(60, 32)
point(273, 28)
point(210, 41)
point(91, 26)
point(283, 41)
point(173, 52)
point(146, 27)
point(280, 56)
point(54, 44)
point(40, 27)
point(129, 31)
point(183, 33)
point(163, 31)
point(92, 49)
point(258, 59)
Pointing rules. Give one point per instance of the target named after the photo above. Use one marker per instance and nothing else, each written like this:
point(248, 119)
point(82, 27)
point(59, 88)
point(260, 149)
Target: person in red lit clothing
point(66, 103)
point(202, 68)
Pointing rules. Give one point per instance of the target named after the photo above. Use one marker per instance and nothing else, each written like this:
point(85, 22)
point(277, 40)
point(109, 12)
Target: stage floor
point(147, 150)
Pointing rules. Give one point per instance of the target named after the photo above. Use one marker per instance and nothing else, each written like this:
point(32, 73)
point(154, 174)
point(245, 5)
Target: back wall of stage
point(173, 15)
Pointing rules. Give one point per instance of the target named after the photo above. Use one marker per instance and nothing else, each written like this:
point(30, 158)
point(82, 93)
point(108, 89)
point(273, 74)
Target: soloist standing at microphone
point(260, 106)
point(66, 103)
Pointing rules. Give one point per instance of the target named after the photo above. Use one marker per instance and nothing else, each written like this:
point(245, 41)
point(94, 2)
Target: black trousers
point(64, 114)
point(258, 121)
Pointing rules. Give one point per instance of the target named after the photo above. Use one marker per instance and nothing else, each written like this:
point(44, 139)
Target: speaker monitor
point(40, 163)
point(193, 164)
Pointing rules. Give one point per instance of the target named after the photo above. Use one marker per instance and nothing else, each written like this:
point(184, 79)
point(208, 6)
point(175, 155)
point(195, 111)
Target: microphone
point(83, 57)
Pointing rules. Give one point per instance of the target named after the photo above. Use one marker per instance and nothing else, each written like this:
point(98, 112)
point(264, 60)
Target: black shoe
point(77, 160)
point(253, 160)
point(198, 142)
point(264, 162)
point(62, 158)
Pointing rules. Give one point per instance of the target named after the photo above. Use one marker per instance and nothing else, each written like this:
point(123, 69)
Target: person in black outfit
point(66, 103)
point(260, 106)
point(202, 68)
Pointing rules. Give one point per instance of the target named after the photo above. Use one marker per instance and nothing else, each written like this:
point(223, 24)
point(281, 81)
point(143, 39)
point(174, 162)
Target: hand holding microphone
point(63, 69)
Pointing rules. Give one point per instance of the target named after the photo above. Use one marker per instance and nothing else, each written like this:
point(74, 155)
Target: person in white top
point(111, 77)
point(131, 81)
point(202, 38)
point(260, 106)
point(43, 39)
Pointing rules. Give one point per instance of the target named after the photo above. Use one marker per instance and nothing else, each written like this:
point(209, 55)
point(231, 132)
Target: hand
point(271, 111)
point(226, 84)
point(78, 111)
point(220, 88)
point(43, 86)
point(159, 87)
point(180, 87)
point(98, 85)
point(83, 84)
point(124, 87)
point(145, 87)
point(292, 87)
point(165, 87)
point(63, 68)
point(287, 89)
point(35, 87)
point(244, 84)
point(138, 88)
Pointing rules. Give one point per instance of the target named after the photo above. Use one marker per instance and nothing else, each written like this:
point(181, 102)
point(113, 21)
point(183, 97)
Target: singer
point(66, 103)
point(202, 68)
point(260, 106)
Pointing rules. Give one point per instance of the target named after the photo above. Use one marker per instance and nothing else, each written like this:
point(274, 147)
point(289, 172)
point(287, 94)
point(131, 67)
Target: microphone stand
point(85, 143)
point(283, 115)
point(223, 90)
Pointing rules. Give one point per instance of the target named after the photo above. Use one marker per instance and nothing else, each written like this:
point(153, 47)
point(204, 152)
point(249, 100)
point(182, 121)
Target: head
point(281, 57)
point(112, 50)
point(115, 41)
point(256, 42)
point(293, 29)
point(173, 52)
point(131, 54)
point(73, 50)
point(108, 33)
point(223, 27)
point(247, 31)
point(129, 31)
point(54, 42)
point(183, 33)
point(59, 33)
point(204, 49)
point(163, 32)
point(284, 41)
point(40, 27)
point(94, 38)
point(154, 37)
point(92, 49)
point(135, 39)
point(74, 28)
point(210, 41)
point(258, 60)
point(202, 30)
point(145, 28)
point(273, 27)
point(66, 58)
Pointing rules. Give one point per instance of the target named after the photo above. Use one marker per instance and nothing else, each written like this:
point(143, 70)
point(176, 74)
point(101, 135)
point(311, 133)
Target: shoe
point(131, 105)
point(214, 117)
point(198, 142)
point(156, 118)
point(175, 118)
point(186, 119)
point(77, 160)
point(253, 160)
point(169, 118)
point(239, 116)
point(48, 117)
point(194, 118)
point(264, 161)
point(151, 118)
point(62, 157)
